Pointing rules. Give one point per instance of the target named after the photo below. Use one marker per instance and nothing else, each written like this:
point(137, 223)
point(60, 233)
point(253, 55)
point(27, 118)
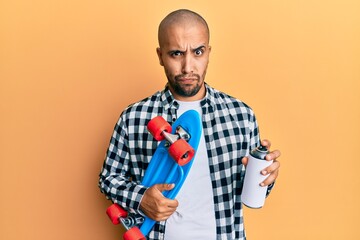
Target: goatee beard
point(185, 91)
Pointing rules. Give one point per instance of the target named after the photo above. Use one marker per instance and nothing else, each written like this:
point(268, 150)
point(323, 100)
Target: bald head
point(184, 18)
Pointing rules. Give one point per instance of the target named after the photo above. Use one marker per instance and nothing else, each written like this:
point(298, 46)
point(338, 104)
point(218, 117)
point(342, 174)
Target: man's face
point(184, 54)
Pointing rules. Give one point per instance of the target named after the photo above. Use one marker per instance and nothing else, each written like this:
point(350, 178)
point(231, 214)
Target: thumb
point(244, 161)
point(164, 187)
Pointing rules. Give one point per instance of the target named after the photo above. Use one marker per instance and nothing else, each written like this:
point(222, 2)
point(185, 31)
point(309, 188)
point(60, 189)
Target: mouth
point(186, 80)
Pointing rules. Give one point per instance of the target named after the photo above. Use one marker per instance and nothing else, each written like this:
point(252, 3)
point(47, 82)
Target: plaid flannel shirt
point(230, 131)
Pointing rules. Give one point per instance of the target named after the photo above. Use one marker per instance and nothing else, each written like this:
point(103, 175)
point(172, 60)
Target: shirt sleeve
point(254, 132)
point(116, 181)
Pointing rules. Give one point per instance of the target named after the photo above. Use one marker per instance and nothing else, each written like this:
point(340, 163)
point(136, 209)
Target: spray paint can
point(253, 195)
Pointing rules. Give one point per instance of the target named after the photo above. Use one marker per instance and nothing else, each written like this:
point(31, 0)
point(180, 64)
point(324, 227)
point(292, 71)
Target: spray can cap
point(259, 152)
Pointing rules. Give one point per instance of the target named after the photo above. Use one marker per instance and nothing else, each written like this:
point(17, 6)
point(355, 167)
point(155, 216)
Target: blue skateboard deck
point(163, 168)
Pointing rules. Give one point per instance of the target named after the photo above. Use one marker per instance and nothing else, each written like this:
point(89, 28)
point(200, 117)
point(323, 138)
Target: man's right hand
point(155, 205)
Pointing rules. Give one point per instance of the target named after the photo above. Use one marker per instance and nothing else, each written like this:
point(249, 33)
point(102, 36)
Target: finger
point(270, 179)
point(158, 209)
point(161, 216)
point(273, 155)
point(244, 160)
point(266, 143)
point(164, 186)
point(167, 210)
point(272, 168)
point(173, 203)
point(169, 204)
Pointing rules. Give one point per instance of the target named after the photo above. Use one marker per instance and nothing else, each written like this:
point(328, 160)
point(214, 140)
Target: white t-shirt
point(195, 215)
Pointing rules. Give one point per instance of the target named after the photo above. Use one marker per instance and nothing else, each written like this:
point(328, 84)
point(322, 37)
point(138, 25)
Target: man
point(208, 206)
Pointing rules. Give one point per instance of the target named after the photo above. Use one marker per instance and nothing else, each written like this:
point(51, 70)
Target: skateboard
point(170, 163)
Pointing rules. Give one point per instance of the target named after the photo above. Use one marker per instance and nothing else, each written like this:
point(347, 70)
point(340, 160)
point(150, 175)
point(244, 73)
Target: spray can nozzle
point(262, 148)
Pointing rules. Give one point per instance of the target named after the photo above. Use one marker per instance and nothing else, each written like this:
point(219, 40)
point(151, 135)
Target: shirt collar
point(167, 99)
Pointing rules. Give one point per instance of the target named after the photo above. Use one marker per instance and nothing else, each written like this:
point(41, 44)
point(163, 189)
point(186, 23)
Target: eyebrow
point(198, 48)
point(193, 50)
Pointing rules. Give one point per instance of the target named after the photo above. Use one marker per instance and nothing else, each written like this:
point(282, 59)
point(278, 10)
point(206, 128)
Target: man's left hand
point(273, 169)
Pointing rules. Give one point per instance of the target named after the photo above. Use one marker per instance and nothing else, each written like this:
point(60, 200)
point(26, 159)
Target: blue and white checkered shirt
point(230, 131)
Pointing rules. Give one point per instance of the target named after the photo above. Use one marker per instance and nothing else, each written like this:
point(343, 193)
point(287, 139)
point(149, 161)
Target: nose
point(188, 64)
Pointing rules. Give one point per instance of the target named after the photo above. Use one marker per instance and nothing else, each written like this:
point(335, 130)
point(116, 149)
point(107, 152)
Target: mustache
point(188, 76)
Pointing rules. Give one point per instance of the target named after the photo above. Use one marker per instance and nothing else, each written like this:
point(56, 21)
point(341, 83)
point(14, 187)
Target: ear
point(159, 53)
point(209, 49)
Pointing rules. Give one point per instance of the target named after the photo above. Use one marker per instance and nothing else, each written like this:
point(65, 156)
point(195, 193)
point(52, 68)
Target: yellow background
point(68, 68)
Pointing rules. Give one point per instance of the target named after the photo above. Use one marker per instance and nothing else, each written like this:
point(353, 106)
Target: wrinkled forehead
point(179, 31)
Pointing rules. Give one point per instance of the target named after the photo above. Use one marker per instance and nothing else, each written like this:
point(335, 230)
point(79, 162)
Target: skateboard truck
point(180, 134)
point(130, 221)
point(178, 147)
point(118, 215)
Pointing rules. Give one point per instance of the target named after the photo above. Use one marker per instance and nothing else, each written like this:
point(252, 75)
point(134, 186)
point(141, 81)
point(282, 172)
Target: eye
point(199, 52)
point(176, 53)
